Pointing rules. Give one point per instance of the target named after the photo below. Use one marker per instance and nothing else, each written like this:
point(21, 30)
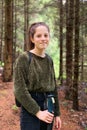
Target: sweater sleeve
point(57, 108)
point(20, 87)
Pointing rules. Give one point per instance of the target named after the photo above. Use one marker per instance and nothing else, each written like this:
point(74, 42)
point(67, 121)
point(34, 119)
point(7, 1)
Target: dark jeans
point(31, 122)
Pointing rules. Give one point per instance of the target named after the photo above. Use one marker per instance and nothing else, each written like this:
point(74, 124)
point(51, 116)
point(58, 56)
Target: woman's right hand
point(45, 116)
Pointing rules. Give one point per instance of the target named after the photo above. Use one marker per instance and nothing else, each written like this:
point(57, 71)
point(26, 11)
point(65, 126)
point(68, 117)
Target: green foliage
point(53, 51)
point(1, 64)
point(15, 108)
point(18, 49)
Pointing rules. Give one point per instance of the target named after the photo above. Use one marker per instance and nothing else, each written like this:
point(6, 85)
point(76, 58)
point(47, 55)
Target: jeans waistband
point(42, 93)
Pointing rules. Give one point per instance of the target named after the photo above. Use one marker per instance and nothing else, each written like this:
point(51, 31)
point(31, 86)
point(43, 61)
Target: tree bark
point(61, 42)
point(1, 35)
point(76, 58)
point(26, 22)
point(8, 48)
point(69, 46)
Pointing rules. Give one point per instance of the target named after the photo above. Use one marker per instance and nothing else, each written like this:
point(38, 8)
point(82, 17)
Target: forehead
point(41, 29)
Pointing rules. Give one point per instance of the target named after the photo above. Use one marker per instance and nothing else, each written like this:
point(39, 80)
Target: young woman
point(40, 84)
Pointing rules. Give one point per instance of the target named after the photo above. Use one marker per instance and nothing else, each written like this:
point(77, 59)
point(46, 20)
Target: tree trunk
point(8, 48)
point(14, 32)
point(26, 4)
point(69, 46)
point(1, 35)
point(76, 58)
point(61, 42)
point(82, 45)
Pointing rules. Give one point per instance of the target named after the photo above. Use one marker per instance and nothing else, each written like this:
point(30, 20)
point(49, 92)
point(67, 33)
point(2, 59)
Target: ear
point(32, 40)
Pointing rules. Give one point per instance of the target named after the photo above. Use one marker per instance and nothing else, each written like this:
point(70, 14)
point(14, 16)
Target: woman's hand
point(45, 116)
point(57, 123)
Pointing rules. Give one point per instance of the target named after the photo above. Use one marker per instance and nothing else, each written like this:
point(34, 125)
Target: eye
point(46, 35)
point(38, 35)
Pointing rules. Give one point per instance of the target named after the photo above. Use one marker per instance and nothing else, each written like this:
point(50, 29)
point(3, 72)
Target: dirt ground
point(9, 114)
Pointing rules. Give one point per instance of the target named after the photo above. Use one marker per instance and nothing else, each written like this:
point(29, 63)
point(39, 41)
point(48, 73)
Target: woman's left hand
point(57, 123)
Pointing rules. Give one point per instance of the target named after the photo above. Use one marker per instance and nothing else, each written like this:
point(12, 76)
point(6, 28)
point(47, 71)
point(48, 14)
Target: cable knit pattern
point(39, 75)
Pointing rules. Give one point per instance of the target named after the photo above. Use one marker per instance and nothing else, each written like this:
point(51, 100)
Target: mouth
point(43, 43)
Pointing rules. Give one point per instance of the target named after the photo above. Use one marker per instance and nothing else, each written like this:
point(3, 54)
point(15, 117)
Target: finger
point(58, 126)
point(51, 114)
point(48, 121)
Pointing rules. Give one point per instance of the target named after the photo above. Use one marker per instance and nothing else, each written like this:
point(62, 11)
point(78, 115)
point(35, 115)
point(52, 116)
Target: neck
point(40, 53)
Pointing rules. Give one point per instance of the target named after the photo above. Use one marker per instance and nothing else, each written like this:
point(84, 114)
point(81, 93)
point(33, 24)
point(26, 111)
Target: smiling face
point(40, 38)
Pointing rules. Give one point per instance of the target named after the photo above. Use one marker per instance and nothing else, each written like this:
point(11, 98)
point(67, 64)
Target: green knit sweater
point(40, 76)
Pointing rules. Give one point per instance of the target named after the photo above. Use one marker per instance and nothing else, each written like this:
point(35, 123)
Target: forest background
point(67, 20)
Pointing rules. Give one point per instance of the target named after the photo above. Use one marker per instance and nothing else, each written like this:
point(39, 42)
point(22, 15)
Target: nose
point(43, 37)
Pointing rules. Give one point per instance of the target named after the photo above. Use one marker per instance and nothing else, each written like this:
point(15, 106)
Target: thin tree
point(14, 30)
point(1, 29)
point(69, 45)
point(8, 47)
point(26, 21)
point(61, 42)
point(82, 45)
point(76, 58)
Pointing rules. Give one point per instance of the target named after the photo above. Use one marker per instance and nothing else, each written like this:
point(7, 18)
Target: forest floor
point(9, 114)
